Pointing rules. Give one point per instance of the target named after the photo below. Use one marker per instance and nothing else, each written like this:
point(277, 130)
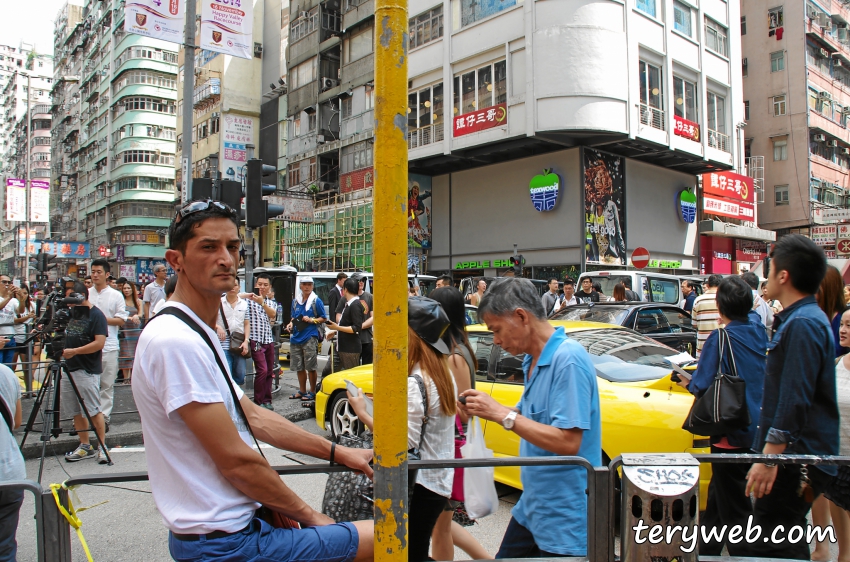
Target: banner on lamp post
point(227, 26)
point(160, 19)
point(39, 201)
point(16, 200)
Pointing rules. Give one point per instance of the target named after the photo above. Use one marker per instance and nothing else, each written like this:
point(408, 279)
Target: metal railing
point(719, 141)
point(651, 116)
point(425, 135)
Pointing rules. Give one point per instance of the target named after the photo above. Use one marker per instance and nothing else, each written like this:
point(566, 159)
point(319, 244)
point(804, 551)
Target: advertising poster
point(238, 131)
point(823, 235)
point(419, 211)
point(227, 26)
point(481, 120)
point(39, 200)
point(16, 200)
point(161, 19)
point(144, 270)
point(295, 209)
point(728, 208)
point(604, 208)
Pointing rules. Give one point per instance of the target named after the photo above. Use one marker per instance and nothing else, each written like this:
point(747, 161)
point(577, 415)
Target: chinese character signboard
point(823, 235)
point(842, 242)
point(127, 271)
point(604, 208)
point(822, 215)
point(238, 131)
point(144, 270)
point(227, 27)
point(727, 208)
point(729, 185)
point(296, 209)
point(480, 120)
point(39, 200)
point(60, 249)
point(16, 200)
point(750, 250)
point(419, 211)
point(684, 128)
point(161, 19)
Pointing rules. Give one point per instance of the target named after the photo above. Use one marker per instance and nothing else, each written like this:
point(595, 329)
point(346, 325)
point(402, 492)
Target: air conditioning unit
point(845, 151)
point(216, 114)
point(326, 186)
point(744, 61)
point(811, 12)
point(824, 53)
point(258, 49)
point(328, 83)
point(838, 63)
point(832, 144)
point(302, 15)
point(824, 20)
point(820, 138)
point(825, 95)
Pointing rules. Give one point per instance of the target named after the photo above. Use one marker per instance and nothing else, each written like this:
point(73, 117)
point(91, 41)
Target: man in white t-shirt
point(111, 303)
point(207, 480)
point(10, 307)
point(155, 292)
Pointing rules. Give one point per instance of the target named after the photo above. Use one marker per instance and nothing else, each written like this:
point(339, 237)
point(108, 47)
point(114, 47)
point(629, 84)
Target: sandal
point(298, 396)
point(308, 397)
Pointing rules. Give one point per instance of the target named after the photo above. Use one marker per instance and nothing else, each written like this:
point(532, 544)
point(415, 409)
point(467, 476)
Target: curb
point(32, 450)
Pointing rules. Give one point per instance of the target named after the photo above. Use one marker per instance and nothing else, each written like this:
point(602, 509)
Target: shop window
point(646, 6)
point(426, 27)
point(780, 193)
point(686, 99)
point(682, 19)
point(779, 107)
point(715, 37)
point(777, 61)
point(480, 88)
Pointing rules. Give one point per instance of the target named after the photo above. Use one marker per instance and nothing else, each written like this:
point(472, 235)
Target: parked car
point(662, 322)
point(642, 408)
point(652, 287)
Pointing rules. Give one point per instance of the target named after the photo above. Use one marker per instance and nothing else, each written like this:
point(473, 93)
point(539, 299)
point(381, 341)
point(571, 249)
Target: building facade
point(797, 90)
point(651, 88)
point(117, 136)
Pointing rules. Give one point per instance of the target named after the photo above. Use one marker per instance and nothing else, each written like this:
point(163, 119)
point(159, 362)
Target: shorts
point(88, 385)
point(261, 541)
point(302, 356)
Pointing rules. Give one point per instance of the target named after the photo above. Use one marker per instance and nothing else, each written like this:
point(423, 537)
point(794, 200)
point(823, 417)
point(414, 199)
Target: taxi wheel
point(344, 420)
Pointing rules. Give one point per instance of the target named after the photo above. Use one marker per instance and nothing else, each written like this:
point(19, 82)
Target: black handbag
point(723, 406)
point(349, 495)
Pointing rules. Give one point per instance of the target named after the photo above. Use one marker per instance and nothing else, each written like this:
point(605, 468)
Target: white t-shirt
point(174, 367)
point(111, 303)
point(7, 316)
point(438, 442)
point(22, 329)
point(11, 462)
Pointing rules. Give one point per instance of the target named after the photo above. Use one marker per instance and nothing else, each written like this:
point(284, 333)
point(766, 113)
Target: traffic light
point(516, 263)
point(257, 210)
point(202, 188)
point(44, 262)
point(228, 192)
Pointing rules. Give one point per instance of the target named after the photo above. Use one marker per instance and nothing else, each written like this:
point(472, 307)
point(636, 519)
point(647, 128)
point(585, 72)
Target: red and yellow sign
point(730, 185)
point(684, 128)
point(487, 118)
point(728, 208)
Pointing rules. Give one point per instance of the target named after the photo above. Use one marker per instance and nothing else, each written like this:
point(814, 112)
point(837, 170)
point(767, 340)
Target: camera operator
point(10, 307)
point(85, 337)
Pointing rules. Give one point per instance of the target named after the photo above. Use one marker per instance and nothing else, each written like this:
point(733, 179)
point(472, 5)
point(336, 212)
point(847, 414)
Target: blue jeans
point(7, 354)
point(237, 366)
point(262, 542)
point(10, 507)
point(518, 542)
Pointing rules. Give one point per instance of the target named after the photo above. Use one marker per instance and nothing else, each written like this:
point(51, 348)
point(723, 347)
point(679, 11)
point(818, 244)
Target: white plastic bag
point(479, 489)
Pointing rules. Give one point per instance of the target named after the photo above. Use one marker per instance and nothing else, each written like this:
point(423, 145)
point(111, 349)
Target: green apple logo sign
point(544, 190)
point(686, 201)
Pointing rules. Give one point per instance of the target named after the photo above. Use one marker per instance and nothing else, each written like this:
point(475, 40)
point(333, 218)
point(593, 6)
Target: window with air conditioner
point(780, 194)
point(682, 19)
point(779, 107)
point(685, 99)
point(777, 61)
point(780, 149)
point(480, 88)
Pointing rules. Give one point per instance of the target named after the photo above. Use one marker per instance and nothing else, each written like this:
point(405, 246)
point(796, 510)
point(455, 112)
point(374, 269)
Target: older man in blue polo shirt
point(558, 414)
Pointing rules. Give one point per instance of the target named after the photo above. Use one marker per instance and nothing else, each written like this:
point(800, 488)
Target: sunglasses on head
point(198, 206)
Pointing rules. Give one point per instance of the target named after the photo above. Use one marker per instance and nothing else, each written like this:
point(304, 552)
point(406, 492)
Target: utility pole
point(28, 185)
point(390, 267)
point(249, 232)
point(188, 94)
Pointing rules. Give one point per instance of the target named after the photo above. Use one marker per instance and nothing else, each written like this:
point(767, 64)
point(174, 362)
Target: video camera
point(57, 314)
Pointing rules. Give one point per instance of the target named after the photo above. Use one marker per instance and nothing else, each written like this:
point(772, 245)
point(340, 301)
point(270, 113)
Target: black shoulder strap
point(425, 418)
point(174, 311)
point(6, 412)
point(223, 319)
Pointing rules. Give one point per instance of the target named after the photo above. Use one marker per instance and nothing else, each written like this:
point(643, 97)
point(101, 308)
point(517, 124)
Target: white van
point(652, 287)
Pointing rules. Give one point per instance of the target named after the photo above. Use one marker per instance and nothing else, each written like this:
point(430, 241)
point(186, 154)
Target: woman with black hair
point(463, 365)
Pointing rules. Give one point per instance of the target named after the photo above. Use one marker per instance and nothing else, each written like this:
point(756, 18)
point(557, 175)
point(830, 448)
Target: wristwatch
point(508, 422)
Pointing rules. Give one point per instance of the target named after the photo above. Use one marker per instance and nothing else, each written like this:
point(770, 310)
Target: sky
point(30, 21)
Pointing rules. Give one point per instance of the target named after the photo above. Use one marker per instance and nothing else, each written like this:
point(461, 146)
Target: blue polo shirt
point(562, 392)
point(311, 330)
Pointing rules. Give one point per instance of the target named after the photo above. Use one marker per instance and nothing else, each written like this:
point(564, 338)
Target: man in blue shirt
point(689, 294)
point(799, 411)
point(558, 414)
point(308, 312)
point(747, 344)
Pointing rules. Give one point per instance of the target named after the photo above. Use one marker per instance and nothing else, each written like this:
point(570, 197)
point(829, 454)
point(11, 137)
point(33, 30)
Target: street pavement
point(123, 524)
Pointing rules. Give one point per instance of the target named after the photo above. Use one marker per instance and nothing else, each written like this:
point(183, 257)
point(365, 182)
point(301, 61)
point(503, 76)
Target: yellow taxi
point(642, 408)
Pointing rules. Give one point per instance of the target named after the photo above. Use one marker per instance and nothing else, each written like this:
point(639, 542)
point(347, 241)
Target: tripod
point(51, 418)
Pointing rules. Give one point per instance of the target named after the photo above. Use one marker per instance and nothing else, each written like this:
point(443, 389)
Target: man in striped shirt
point(705, 315)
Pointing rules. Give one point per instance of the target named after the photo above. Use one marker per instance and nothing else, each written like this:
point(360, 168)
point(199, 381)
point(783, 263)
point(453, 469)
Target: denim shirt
point(799, 407)
point(749, 347)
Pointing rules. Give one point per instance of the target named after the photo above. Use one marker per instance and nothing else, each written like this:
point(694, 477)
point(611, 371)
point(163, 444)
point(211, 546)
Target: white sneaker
point(101, 456)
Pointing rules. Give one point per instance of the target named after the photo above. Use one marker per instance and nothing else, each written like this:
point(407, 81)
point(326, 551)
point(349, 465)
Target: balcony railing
point(651, 116)
point(719, 141)
point(425, 135)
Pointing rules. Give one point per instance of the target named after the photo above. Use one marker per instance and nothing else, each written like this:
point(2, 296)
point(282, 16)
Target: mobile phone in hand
point(257, 291)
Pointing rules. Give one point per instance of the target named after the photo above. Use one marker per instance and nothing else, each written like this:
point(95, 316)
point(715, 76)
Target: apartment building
point(797, 91)
point(645, 95)
point(117, 137)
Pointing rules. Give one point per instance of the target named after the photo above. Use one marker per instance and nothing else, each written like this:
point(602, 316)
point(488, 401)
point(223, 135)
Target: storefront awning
point(717, 228)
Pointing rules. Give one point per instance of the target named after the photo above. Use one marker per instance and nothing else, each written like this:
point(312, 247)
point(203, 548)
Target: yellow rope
point(72, 518)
